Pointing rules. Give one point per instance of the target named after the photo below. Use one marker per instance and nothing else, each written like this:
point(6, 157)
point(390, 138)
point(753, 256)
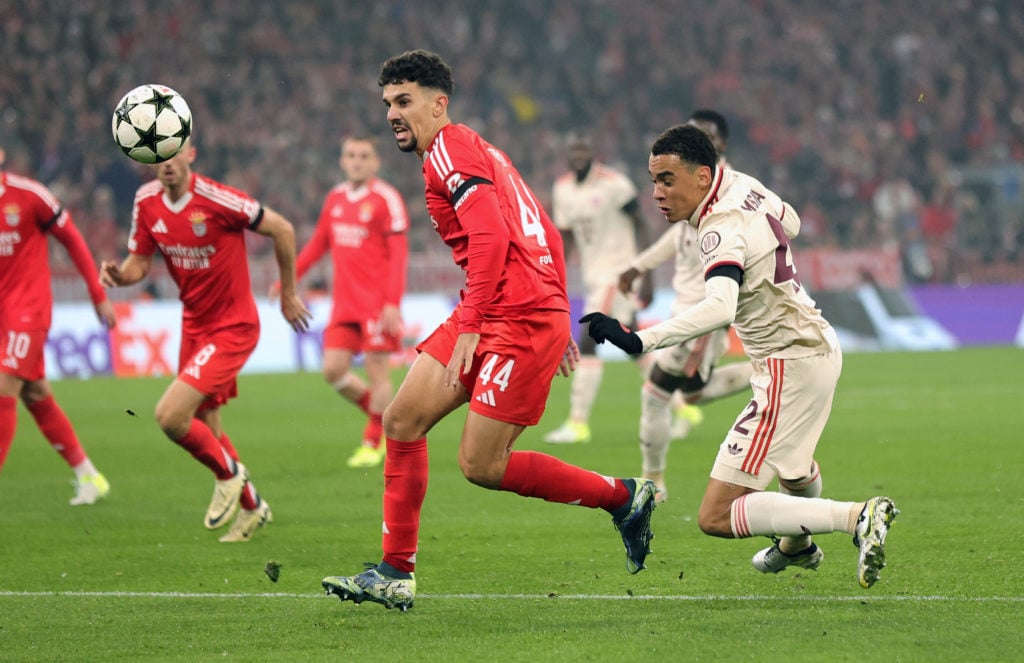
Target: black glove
point(602, 328)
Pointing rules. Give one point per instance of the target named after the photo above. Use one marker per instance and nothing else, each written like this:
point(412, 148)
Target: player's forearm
point(657, 253)
point(133, 269)
point(284, 254)
point(716, 310)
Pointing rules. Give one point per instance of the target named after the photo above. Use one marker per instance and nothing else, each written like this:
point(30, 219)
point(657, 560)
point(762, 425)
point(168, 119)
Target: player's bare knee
point(336, 376)
point(172, 422)
point(486, 475)
point(714, 523)
point(402, 425)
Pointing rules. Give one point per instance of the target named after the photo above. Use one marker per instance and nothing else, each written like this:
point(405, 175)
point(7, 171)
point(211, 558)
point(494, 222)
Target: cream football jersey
point(603, 233)
point(680, 240)
point(742, 223)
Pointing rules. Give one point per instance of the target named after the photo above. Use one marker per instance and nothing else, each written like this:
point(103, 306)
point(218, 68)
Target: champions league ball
point(151, 123)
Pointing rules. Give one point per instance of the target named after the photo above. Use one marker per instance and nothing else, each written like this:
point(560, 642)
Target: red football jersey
point(29, 212)
point(365, 230)
point(200, 237)
point(523, 266)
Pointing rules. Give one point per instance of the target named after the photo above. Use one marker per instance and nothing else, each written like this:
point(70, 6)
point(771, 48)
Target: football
point(151, 123)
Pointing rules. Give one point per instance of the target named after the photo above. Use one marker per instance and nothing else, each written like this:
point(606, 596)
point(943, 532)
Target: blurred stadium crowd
point(881, 121)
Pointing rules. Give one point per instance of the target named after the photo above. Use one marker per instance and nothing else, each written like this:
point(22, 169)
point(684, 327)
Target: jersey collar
point(709, 200)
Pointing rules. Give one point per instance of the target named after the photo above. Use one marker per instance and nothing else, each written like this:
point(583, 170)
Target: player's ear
point(440, 105)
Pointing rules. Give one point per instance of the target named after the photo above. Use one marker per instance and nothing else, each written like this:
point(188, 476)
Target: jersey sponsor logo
point(159, 227)
point(337, 211)
point(188, 257)
point(487, 397)
point(709, 242)
point(7, 241)
point(734, 449)
point(348, 234)
point(12, 213)
point(10, 362)
point(192, 371)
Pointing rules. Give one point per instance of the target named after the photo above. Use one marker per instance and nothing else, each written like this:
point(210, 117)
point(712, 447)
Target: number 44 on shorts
point(501, 378)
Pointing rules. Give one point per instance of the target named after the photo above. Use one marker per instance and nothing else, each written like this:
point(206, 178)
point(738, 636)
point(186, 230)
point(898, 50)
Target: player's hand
point(696, 358)
point(295, 312)
point(461, 361)
point(391, 320)
point(274, 291)
point(110, 274)
point(105, 312)
point(626, 279)
point(570, 359)
point(646, 292)
point(602, 328)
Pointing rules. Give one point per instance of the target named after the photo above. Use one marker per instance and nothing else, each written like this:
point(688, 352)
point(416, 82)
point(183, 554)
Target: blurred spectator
point(816, 112)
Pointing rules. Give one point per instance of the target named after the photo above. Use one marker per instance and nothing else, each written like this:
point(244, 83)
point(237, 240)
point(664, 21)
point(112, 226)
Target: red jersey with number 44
point(364, 228)
point(498, 232)
point(200, 237)
point(28, 212)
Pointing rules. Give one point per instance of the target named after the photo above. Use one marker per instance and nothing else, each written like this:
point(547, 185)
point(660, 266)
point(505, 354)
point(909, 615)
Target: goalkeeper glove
point(602, 328)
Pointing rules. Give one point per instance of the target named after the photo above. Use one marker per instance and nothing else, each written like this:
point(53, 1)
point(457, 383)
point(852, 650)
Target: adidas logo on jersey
point(159, 226)
point(193, 371)
point(487, 397)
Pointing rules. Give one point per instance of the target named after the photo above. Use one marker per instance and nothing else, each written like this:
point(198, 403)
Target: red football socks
point(204, 447)
point(405, 485)
point(533, 474)
point(8, 418)
point(374, 430)
point(56, 428)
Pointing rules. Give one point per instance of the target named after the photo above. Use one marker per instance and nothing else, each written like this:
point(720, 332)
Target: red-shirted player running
point(498, 351)
point(30, 212)
point(197, 224)
point(363, 224)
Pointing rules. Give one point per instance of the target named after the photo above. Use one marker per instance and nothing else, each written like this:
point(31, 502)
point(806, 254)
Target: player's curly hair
point(423, 67)
point(687, 142)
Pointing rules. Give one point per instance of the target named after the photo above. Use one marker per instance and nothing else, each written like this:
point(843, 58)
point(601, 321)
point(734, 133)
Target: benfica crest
point(13, 215)
point(198, 221)
point(366, 212)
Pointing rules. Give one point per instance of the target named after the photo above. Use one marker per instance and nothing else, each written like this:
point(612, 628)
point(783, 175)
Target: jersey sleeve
point(622, 190)
point(722, 241)
point(462, 175)
point(559, 215)
point(140, 241)
point(64, 230)
point(398, 216)
point(663, 248)
point(316, 247)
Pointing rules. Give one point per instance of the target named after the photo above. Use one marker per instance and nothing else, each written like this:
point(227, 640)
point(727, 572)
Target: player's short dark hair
point(715, 118)
point(422, 67)
point(688, 143)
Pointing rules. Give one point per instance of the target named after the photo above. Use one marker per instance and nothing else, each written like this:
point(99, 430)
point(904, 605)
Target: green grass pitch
point(503, 578)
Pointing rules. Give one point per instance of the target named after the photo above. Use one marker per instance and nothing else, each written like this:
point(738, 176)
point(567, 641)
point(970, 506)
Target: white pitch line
point(532, 597)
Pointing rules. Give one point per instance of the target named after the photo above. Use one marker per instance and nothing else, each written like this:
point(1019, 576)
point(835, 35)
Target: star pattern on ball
point(122, 113)
point(161, 101)
point(148, 138)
